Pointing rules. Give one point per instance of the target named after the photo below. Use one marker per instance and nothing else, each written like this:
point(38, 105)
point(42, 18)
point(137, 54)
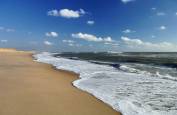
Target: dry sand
point(32, 88)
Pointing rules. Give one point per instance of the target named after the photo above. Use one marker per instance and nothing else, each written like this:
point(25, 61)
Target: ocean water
point(132, 83)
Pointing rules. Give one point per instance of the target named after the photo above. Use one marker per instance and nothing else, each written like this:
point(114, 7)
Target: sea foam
point(131, 93)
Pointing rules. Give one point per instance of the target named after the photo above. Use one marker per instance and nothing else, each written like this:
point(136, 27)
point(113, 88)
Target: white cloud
point(127, 31)
point(127, 1)
point(74, 45)
point(51, 34)
point(10, 30)
point(68, 41)
point(48, 43)
point(66, 13)
point(69, 13)
point(87, 37)
point(131, 41)
point(90, 22)
point(1, 28)
point(53, 13)
point(115, 45)
point(90, 37)
point(153, 36)
point(153, 8)
point(112, 44)
point(162, 27)
point(3, 41)
point(82, 11)
point(137, 44)
point(78, 45)
point(6, 29)
point(161, 14)
point(107, 39)
point(71, 43)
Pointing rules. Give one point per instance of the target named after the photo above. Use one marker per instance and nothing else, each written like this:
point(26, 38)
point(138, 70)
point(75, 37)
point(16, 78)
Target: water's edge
point(73, 83)
point(125, 89)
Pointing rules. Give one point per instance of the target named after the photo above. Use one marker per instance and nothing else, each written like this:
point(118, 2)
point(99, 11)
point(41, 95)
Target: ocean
point(134, 83)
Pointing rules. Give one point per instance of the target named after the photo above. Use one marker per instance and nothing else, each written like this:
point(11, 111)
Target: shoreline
point(54, 83)
point(76, 78)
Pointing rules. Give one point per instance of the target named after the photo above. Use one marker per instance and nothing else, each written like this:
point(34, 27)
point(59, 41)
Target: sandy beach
point(31, 88)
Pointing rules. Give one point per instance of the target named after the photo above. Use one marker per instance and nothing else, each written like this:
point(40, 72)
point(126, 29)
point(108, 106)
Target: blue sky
point(89, 25)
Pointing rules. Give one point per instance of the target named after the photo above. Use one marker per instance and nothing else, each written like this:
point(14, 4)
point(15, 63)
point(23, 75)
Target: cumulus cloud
point(127, 1)
point(90, 37)
point(48, 43)
point(3, 41)
point(137, 44)
point(162, 27)
point(131, 41)
point(127, 31)
point(51, 34)
point(107, 39)
point(66, 13)
point(90, 22)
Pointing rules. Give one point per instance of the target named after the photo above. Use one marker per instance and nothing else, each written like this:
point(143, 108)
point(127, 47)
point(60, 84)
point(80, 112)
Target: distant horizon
point(86, 51)
point(89, 25)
